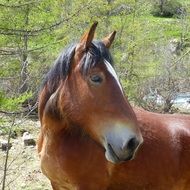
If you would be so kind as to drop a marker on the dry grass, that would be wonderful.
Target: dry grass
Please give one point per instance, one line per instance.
(23, 163)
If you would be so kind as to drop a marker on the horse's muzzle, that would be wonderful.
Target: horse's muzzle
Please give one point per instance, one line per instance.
(121, 145)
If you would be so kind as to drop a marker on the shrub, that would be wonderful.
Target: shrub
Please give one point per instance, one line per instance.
(168, 8)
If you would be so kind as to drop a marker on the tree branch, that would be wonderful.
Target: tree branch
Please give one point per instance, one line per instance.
(14, 32)
(179, 59)
(8, 52)
(21, 32)
(7, 155)
(19, 5)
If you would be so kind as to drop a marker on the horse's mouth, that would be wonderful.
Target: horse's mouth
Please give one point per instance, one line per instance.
(114, 158)
(111, 151)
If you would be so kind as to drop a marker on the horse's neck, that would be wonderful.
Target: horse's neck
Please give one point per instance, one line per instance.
(71, 152)
(72, 140)
(53, 126)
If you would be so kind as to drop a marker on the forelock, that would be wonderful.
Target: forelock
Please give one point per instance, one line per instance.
(96, 54)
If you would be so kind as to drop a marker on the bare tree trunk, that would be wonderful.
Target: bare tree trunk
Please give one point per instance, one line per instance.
(24, 58)
(162, 6)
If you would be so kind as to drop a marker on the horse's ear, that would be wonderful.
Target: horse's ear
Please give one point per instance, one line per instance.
(88, 36)
(109, 39)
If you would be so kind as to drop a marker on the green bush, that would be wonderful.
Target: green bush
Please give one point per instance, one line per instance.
(13, 103)
(168, 8)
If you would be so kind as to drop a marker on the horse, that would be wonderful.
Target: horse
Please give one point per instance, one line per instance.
(91, 137)
(86, 122)
(163, 161)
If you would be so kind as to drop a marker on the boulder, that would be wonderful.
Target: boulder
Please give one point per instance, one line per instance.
(28, 139)
(4, 145)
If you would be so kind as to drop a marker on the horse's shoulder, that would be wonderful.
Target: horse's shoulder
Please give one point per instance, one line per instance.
(174, 128)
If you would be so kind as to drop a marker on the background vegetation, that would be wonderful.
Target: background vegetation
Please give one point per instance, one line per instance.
(151, 53)
(151, 50)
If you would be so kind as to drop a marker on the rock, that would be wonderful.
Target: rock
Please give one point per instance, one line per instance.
(175, 46)
(28, 140)
(4, 145)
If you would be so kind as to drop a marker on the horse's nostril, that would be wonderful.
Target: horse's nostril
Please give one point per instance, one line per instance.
(132, 144)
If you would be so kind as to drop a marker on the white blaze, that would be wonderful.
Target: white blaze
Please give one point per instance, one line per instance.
(113, 73)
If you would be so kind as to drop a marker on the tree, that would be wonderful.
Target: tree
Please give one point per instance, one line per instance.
(29, 32)
(168, 8)
(32, 34)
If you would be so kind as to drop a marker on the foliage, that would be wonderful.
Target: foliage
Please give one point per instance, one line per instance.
(32, 33)
(168, 8)
(13, 103)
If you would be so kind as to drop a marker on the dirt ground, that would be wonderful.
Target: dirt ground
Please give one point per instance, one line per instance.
(23, 163)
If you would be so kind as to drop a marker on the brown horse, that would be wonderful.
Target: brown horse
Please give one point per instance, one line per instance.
(85, 118)
(163, 161)
(89, 129)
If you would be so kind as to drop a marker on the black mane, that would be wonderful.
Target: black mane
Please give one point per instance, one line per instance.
(94, 55)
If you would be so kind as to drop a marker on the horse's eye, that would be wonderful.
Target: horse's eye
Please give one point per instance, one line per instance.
(96, 79)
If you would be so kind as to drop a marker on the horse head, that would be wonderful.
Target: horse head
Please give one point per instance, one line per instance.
(90, 97)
